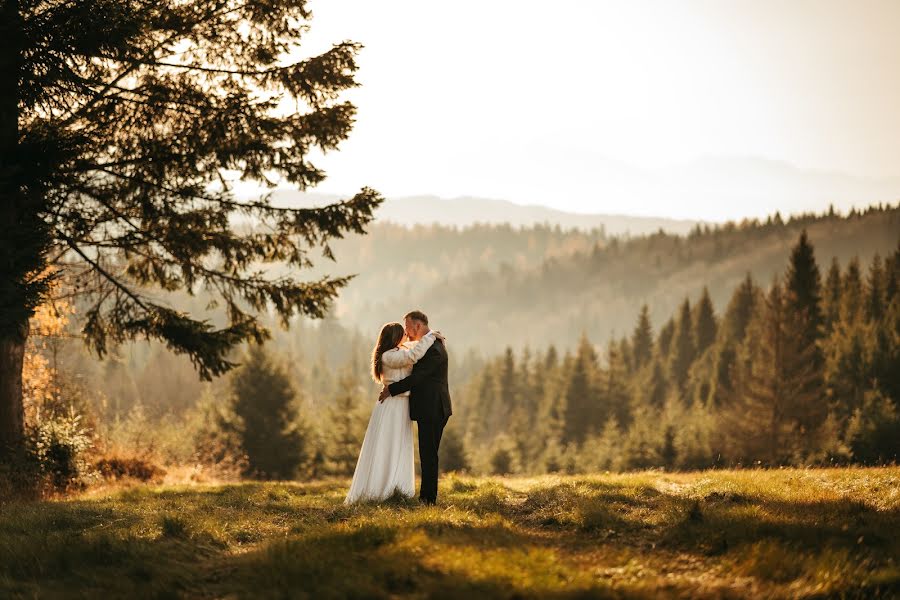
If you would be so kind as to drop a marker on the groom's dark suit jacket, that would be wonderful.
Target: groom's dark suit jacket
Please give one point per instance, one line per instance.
(429, 393)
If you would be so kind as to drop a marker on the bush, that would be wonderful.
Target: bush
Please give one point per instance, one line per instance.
(873, 433)
(453, 452)
(117, 467)
(56, 448)
(503, 457)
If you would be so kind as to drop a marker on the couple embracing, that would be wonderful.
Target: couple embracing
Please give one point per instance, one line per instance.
(410, 361)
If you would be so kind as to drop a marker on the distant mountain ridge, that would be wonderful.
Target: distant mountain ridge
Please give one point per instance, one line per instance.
(466, 211)
(719, 188)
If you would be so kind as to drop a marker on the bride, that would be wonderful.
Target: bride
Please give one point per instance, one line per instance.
(385, 462)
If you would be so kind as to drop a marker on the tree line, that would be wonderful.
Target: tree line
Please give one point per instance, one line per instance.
(803, 370)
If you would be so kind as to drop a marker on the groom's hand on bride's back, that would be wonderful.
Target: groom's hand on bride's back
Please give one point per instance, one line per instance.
(385, 393)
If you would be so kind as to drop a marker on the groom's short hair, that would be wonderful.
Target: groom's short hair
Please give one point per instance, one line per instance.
(416, 315)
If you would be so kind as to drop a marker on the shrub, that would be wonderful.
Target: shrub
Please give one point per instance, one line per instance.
(873, 433)
(120, 467)
(56, 446)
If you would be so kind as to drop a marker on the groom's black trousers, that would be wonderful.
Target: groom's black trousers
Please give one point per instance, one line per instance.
(430, 431)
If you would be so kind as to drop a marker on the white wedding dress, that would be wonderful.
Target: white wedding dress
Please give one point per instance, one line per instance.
(386, 460)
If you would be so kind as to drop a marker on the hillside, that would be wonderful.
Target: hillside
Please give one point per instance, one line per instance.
(486, 298)
(489, 286)
(715, 534)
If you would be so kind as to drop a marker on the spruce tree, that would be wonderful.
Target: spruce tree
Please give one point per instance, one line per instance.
(781, 403)
(803, 311)
(683, 350)
(453, 455)
(655, 387)
(852, 292)
(875, 293)
(642, 339)
(348, 419)
(508, 382)
(757, 423)
(892, 276)
(268, 424)
(831, 297)
(484, 412)
(624, 348)
(803, 288)
(581, 406)
(614, 393)
(664, 342)
(120, 127)
(705, 325)
(740, 310)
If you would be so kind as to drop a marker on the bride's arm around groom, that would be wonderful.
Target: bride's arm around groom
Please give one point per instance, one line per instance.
(400, 357)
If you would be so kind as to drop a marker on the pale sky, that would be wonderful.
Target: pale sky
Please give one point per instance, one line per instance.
(575, 104)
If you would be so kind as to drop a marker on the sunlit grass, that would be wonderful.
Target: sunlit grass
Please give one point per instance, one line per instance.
(785, 533)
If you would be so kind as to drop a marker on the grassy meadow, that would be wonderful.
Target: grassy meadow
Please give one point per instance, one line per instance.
(792, 533)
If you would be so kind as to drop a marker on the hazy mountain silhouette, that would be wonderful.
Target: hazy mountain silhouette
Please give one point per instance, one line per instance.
(714, 186)
(465, 211)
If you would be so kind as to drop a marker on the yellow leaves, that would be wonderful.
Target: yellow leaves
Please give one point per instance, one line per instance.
(37, 384)
(51, 317)
(38, 375)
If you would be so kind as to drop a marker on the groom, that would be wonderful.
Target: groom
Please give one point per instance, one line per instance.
(429, 401)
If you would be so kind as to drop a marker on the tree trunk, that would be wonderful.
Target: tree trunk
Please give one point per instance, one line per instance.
(12, 352)
(13, 322)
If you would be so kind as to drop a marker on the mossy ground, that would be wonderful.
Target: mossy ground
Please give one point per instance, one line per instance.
(715, 534)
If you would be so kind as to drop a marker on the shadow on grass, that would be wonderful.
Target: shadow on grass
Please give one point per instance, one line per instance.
(429, 559)
(484, 540)
(76, 549)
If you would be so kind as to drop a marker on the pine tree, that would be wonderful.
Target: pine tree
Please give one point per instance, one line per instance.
(509, 392)
(655, 387)
(740, 310)
(757, 426)
(624, 348)
(114, 139)
(781, 403)
(643, 441)
(803, 288)
(873, 432)
(683, 350)
(503, 460)
(852, 294)
(642, 339)
(485, 413)
(268, 424)
(847, 366)
(581, 410)
(802, 303)
(705, 325)
(348, 419)
(607, 447)
(892, 276)
(875, 293)
(664, 342)
(738, 313)
(614, 393)
(453, 456)
(831, 298)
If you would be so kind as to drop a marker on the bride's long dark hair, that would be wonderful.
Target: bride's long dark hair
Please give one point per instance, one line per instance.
(388, 339)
